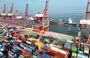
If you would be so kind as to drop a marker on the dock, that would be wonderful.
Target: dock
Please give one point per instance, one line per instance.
(58, 36)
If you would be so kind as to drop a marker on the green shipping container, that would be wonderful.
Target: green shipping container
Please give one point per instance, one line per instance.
(47, 40)
(74, 49)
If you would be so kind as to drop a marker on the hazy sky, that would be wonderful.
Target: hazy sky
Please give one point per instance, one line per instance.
(55, 6)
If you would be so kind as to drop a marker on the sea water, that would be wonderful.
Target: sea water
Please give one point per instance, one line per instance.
(67, 29)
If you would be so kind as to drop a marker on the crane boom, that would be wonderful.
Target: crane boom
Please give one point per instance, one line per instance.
(87, 15)
(11, 9)
(26, 12)
(4, 8)
(45, 13)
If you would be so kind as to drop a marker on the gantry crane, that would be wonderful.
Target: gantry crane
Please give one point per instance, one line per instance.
(4, 9)
(41, 19)
(26, 12)
(26, 16)
(45, 16)
(10, 15)
(85, 22)
(84, 25)
(3, 13)
(21, 20)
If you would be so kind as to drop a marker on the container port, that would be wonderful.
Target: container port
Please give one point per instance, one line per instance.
(22, 36)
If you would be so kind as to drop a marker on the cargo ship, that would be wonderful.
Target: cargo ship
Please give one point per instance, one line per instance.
(64, 22)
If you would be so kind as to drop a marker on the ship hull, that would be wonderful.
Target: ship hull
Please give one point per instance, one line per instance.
(63, 23)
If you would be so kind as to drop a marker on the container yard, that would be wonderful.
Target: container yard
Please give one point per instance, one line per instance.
(22, 36)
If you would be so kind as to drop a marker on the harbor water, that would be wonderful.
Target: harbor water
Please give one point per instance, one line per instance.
(68, 29)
